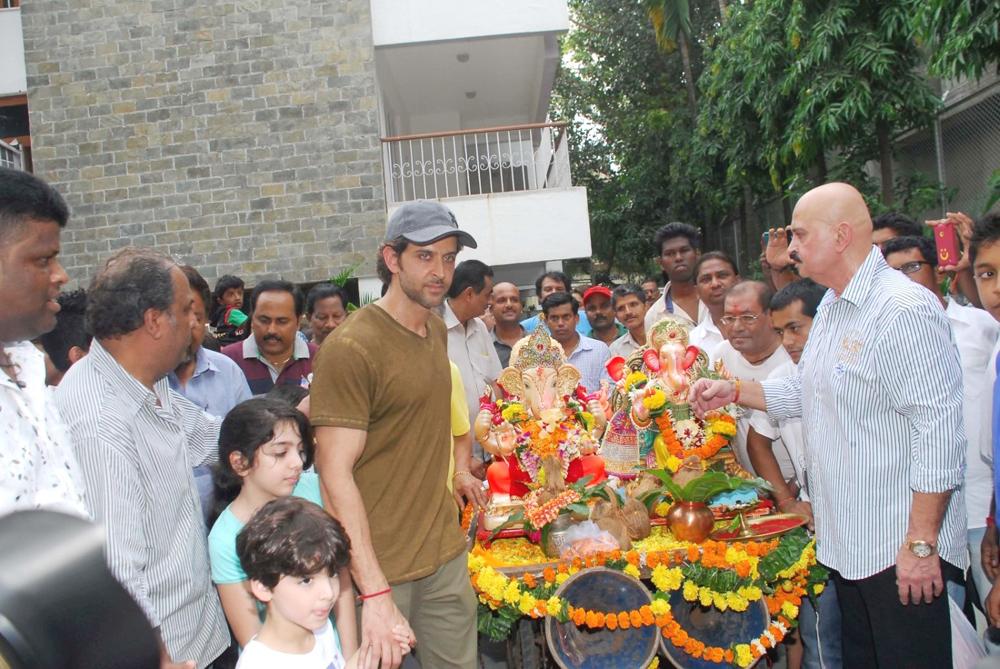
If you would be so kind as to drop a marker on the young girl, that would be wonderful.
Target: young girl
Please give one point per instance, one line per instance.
(264, 445)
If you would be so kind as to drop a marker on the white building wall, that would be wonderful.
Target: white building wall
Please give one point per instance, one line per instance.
(411, 21)
(13, 79)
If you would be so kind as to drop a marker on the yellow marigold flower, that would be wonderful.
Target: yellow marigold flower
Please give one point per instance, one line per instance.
(673, 464)
(723, 427)
(476, 562)
(743, 656)
(736, 603)
(655, 664)
(720, 601)
(561, 578)
(690, 591)
(553, 605)
(513, 412)
(631, 570)
(789, 610)
(512, 595)
(819, 588)
(704, 596)
(660, 607)
(661, 509)
(666, 579)
(634, 379)
(655, 401)
(526, 604)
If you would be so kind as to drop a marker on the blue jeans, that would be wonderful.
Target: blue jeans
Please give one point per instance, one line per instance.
(820, 630)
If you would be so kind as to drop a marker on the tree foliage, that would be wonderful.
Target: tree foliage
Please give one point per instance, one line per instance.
(962, 36)
(790, 93)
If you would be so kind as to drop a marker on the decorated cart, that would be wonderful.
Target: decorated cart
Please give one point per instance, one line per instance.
(622, 522)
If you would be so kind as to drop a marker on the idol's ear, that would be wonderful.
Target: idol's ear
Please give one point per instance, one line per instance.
(567, 379)
(510, 380)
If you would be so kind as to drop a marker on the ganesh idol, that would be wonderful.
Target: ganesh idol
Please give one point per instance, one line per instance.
(652, 424)
(544, 415)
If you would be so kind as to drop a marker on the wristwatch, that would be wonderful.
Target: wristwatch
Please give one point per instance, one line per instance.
(921, 549)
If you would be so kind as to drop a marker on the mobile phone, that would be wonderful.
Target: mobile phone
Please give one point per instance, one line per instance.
(946, 242)
(766, 237)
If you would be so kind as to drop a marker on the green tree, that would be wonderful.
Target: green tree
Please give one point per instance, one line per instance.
(672, 26)
(962, 36)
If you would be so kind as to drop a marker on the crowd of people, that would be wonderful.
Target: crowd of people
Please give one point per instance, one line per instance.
(277, 474)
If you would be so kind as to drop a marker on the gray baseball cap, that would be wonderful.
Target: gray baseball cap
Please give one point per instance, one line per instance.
(425, 222)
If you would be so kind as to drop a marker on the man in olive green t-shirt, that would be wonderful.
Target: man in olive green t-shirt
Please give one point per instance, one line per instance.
(380, 401)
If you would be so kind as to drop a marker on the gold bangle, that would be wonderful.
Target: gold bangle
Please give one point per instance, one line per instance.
(736, 390)
(461, 471)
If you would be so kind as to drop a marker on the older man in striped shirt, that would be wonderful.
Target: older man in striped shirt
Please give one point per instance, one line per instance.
(879, 390)
(137, 441)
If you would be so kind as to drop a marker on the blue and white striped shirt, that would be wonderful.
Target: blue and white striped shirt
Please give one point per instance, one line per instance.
(879, 390)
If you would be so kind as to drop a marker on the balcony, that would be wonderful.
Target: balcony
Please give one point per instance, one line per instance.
(509, 186)
(475, 162)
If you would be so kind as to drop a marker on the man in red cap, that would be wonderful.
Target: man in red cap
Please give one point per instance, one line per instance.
(601, 314)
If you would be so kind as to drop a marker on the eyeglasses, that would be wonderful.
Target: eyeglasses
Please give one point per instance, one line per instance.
(746, 319)
(911, 267)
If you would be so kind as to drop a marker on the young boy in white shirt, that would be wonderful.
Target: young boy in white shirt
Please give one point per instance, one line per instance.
(292, 552)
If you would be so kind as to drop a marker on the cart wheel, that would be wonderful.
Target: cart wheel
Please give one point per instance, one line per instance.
(524, 646)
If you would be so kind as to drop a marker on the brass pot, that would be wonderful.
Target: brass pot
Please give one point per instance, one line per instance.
(690, 521)
(555, 540)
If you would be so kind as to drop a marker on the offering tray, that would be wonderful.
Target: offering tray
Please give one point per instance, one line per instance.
(762, 527)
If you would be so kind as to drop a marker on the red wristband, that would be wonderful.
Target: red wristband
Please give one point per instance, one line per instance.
(991, 521)
(373, 595)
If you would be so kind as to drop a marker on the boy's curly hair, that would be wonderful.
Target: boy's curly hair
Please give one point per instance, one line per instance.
(291, 536)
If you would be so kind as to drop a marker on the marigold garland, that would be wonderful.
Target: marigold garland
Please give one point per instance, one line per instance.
(719, 427)
(533, 595)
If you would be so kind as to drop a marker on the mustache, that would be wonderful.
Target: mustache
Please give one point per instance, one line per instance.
(272, 338)
(794, 255)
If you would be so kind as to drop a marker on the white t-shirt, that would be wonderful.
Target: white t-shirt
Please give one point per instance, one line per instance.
(324, 655)
(976, 334)
(786, 436)
(707, 337)
(739, 368)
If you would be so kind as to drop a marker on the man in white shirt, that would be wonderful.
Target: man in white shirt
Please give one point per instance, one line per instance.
(976, 335)
(752, 352)
(630, 309)
(470, 344)
(715, 273)
(39, 469)
(677, 248)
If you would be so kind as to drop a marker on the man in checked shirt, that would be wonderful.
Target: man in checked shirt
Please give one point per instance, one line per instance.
(879, 390)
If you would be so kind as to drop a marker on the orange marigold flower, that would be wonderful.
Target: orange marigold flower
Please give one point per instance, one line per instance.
(591, 620)
(679, 638)
(549, 575)
(647, 614)
(728, 656)
(611, 622)
(623, 622)
(661, 621)
(599, 618)
(652, 559)
(635, 618)
(743, 569)
(716, 654)
(579, 617)
(632, 558)
(529, 580)
(692, 553)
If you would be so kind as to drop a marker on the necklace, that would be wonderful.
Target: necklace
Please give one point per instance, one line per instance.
(11, 368)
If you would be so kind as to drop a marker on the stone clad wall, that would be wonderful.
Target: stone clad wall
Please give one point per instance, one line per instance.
(240, 137)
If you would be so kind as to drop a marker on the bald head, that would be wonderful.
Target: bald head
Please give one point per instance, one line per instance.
(835, 203)
(506, 303)
(832, 234)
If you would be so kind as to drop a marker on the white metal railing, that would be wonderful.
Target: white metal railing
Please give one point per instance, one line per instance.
(473, 162)
(10, 156)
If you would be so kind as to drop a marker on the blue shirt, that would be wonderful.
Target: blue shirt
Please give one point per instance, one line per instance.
(996, 434)
(217, 386)
(583, 327)
(590, 356)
